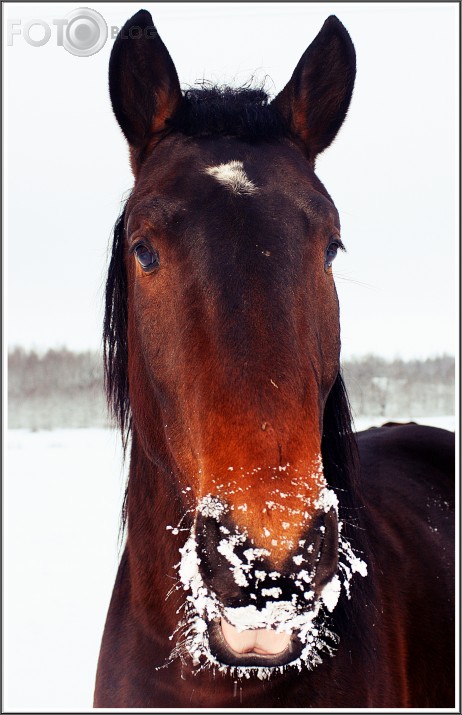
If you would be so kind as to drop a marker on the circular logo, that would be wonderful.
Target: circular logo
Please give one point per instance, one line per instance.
(85, 33)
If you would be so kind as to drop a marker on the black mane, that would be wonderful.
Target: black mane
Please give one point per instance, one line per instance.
(244, 113)
(115, 339)
(341, 467)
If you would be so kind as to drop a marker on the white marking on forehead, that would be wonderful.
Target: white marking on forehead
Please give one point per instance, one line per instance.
(233, 176)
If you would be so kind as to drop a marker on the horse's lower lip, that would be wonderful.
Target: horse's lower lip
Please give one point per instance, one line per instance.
(259, 641)
(255, 656)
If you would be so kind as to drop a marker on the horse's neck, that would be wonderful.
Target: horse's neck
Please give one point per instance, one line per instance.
(155, 508)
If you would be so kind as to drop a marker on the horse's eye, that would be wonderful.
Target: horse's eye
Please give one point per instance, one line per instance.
(147, 257)
(331, 252)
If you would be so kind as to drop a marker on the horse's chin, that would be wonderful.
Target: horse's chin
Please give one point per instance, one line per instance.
(252, 648)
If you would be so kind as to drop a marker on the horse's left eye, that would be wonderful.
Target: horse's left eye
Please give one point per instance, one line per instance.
(147, 257)
(331, 252)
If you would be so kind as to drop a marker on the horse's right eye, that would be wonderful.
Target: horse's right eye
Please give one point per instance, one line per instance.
(147, 257)
(331, 252)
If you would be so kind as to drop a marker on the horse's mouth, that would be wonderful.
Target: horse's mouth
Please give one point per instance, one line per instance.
(252, 648)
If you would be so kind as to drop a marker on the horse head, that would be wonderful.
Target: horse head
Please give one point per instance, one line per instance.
(229, 346)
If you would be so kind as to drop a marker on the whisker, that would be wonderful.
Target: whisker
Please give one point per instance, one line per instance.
(347, 279)
(176, 587)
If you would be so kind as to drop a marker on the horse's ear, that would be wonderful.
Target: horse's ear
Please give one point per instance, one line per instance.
(316, 99)
(143, 82)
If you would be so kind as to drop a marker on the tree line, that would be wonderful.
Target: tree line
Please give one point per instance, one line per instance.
(57, 389)
(398, 388)
(61, 388)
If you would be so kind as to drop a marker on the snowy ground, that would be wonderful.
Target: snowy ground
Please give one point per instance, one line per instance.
(62, 498)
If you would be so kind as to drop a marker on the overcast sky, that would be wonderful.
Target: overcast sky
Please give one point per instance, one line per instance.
(392, 170)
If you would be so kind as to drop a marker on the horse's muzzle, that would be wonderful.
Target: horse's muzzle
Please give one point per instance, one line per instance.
(262, 608)
(252, 648)
(241, 575)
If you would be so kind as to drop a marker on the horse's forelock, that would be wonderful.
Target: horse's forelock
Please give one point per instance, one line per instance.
(244, 112)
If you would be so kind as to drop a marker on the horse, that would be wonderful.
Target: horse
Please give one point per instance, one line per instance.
(272, 558)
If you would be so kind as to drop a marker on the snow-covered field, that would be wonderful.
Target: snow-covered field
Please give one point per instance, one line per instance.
(62, 498)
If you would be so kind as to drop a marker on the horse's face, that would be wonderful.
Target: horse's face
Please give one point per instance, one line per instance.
(237, 323)
(234, 334)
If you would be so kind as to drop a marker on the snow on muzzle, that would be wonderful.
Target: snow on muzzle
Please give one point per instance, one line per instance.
(258, 601)
(244, 615)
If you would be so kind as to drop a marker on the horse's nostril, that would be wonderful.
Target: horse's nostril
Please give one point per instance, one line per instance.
(241, 575)
(218, 573)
